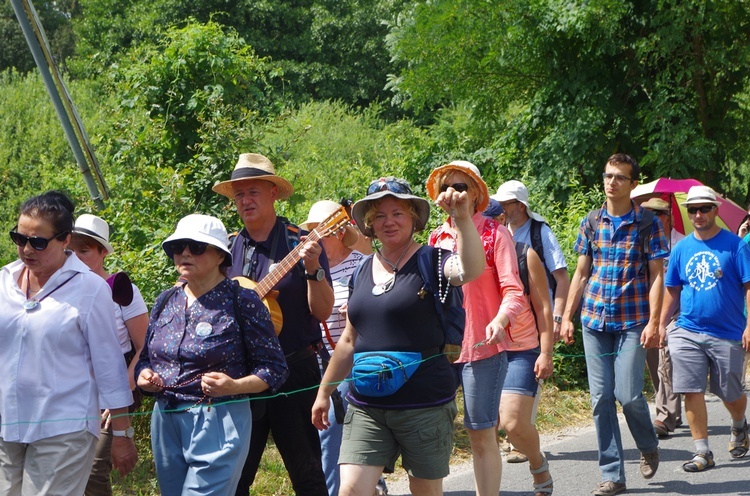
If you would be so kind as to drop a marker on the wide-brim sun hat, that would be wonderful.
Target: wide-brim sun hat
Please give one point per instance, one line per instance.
(204, 229)
(323, 209)
(390, 186)
(96, 228)
(656, 204)
(700, 195)
(471, 170)
(516, 190)
(254, 166)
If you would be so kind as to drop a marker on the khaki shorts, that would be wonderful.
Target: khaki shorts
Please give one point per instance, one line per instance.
(422, 436)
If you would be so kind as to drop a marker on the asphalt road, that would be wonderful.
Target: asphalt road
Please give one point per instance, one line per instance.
(572, 458)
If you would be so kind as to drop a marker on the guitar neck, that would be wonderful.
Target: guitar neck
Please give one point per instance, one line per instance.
(281, 268)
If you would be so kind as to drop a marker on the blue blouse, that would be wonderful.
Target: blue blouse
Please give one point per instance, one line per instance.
(184, 342)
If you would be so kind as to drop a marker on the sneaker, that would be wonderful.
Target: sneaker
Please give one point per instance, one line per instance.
(649, 463)
(608, 488)
(381, 489)
(661, 429)
(699, 462)
(739, 442)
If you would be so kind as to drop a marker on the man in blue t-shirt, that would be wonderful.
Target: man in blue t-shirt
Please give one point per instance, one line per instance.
(709, 277)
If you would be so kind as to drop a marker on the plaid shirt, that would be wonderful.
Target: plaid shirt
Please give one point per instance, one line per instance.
(616, 295)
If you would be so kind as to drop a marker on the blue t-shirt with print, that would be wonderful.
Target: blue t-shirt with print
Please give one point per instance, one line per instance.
(712, 274)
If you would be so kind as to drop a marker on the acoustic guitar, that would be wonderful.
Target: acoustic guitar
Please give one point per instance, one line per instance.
(330, 225)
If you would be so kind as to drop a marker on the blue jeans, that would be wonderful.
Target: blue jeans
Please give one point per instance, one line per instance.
(198, 451)
(482, 381)
(330, 444)
(616, 363)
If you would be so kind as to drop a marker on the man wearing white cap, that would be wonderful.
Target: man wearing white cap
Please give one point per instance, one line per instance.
(709, 277)
(305, 298)
(531, 228)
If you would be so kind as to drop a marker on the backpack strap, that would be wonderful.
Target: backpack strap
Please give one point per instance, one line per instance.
(538, 246)
(156, 311)
(592, 220)
(523, 267)
(292, 240)
(428, 273)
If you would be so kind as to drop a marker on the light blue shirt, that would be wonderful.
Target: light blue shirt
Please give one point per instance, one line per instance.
(553, 255)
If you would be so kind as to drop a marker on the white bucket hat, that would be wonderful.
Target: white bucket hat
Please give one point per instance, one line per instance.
(94, 227)
(323, 209)
(700, 194)
(516, 190)
(204, 229)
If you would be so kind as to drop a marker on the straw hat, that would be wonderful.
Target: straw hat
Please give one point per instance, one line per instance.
(390, 186)
(96, 228)
(516, 190)
(656, 204)
(204, 229)
(254, 166)
(471, 170)
(320, 211)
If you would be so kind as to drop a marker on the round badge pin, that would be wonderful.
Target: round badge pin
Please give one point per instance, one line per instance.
(203, 329)
(30, 305)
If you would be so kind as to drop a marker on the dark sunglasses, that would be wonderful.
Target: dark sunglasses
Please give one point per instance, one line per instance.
(36, 242)
(390, 184)
(704, 209)
(178, 246)
(460, 187)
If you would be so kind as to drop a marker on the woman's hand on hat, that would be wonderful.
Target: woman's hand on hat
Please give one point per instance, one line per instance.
(458, 205)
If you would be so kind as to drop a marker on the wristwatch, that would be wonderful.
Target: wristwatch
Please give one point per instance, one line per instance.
(557, 318)
(318, 275)
(129, 433)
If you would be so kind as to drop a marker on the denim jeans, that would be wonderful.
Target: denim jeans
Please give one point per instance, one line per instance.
(330, 444)
(615, 363)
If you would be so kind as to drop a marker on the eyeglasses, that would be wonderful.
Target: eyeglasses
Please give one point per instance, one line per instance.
(178, 246)
(703, 209)
(36, 242)
(389, 184)
(460, 187)
(618, 178)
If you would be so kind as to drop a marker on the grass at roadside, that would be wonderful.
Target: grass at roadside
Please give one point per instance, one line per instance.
(557, 410)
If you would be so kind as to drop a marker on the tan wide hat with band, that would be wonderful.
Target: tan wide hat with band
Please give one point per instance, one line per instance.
(656, 204)
(254, 166)
(480, 187)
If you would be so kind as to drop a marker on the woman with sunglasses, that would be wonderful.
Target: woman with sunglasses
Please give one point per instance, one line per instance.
(208, 346)
(501, 353)
(59, 359)
(389, 311)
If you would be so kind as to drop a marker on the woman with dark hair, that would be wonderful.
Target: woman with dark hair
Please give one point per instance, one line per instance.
(59, 359)
(207, 340)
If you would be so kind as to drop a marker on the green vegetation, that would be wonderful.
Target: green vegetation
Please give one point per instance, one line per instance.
(340, 93)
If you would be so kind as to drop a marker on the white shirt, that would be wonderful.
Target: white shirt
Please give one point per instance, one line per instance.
(340, 274)
(123, 314)
(61, 362)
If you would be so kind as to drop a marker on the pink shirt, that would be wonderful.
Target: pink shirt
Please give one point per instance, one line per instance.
(498, 289)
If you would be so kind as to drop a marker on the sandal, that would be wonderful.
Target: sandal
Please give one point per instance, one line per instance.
(738, 449)
(545, 487)
(515, 456)
(700, 462)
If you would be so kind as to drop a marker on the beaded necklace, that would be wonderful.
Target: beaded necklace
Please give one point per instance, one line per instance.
(183, 384)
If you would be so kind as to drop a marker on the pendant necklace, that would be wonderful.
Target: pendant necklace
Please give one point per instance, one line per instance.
(386, 286)
(32, 303)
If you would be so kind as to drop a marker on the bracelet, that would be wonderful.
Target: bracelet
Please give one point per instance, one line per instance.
(550, 353)
(557, 319)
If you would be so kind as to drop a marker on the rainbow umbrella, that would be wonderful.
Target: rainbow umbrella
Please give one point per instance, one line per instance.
(675, 191)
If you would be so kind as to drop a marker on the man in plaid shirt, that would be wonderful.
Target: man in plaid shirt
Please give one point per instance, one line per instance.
(622, 290)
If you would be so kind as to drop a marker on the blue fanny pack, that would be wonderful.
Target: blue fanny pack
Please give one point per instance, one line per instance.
(382, 373)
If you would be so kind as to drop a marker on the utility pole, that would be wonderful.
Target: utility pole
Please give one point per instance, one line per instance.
(71, 122)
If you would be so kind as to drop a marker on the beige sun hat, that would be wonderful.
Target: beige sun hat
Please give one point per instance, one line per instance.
(390, 186)
(94, 227)
(700, 194)
(254, 166)
(516, 190)
(323, 209)
(656, 204)
(471, 170)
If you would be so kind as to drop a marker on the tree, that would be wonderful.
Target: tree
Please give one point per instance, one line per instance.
(557, 87)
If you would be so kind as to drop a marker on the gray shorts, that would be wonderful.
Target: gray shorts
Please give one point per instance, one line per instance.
(422, 436)
(696, 356)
